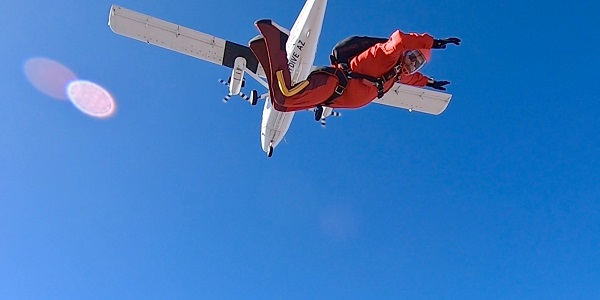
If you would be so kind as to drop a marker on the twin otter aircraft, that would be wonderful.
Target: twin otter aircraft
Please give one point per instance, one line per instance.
(301, 48)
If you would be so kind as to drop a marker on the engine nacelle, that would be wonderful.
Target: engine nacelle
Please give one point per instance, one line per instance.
(237, 76)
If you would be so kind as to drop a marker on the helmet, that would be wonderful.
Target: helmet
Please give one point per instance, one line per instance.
(414, 60)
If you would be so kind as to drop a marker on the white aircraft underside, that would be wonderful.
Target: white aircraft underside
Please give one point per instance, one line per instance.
(301, 49)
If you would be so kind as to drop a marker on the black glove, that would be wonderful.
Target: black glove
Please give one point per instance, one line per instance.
(441, 44)
(438, 85)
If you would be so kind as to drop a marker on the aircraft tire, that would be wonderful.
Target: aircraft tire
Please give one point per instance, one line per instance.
(253, 97)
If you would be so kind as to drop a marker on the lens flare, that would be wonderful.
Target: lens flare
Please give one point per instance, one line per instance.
(91, 99)
(49, 76)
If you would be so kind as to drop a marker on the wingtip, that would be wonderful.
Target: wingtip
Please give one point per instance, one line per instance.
(111, 13)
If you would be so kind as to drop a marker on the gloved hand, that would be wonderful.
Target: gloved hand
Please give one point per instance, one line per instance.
(441, 44)
(438, 85)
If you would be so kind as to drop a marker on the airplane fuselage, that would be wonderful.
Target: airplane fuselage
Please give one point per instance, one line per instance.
(301, 49)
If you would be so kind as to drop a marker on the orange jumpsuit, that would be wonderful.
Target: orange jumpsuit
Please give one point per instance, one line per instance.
(375, 62)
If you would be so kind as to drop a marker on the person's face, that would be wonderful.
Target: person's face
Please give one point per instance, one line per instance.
(413, 61)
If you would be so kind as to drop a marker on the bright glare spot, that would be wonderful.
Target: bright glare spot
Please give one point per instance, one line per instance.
(48, 76)
(91, 99)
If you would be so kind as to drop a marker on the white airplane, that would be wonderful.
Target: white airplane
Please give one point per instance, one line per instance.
(301, 49)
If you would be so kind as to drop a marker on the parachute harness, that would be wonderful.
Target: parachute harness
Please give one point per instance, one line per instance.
(344, 73)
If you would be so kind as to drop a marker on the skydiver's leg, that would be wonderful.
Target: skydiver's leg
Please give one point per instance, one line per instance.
(320, 87)
(259, 48)
(317, 88)
(275, 40)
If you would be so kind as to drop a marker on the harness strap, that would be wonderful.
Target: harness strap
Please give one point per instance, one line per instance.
(344, 73)
(379, 82)
(342, 82)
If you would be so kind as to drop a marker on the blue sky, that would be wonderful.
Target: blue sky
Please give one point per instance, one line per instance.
(172, 197)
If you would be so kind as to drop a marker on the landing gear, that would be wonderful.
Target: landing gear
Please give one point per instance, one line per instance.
(270, 150)
(318, 113)
(253, 97)
(322, 113)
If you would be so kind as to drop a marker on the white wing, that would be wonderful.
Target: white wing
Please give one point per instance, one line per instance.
(180, 39)
(417, 99)
(174, 37)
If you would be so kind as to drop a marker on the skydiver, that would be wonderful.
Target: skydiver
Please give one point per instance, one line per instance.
(368, 75)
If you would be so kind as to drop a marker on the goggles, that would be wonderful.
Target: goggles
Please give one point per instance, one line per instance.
(413, 61)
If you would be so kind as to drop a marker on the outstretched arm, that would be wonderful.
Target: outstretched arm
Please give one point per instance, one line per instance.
(400, 41)
(416, 79)
(421, 80)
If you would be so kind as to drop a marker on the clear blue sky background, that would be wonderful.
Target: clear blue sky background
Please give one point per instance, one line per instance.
(172, 198)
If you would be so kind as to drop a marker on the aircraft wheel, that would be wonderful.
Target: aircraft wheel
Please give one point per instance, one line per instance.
(319, 113)
(253, 97)
(270, 152)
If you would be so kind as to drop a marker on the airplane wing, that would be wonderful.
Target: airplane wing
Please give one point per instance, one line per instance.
(174, 37)
(180, 39)
(415, 98)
